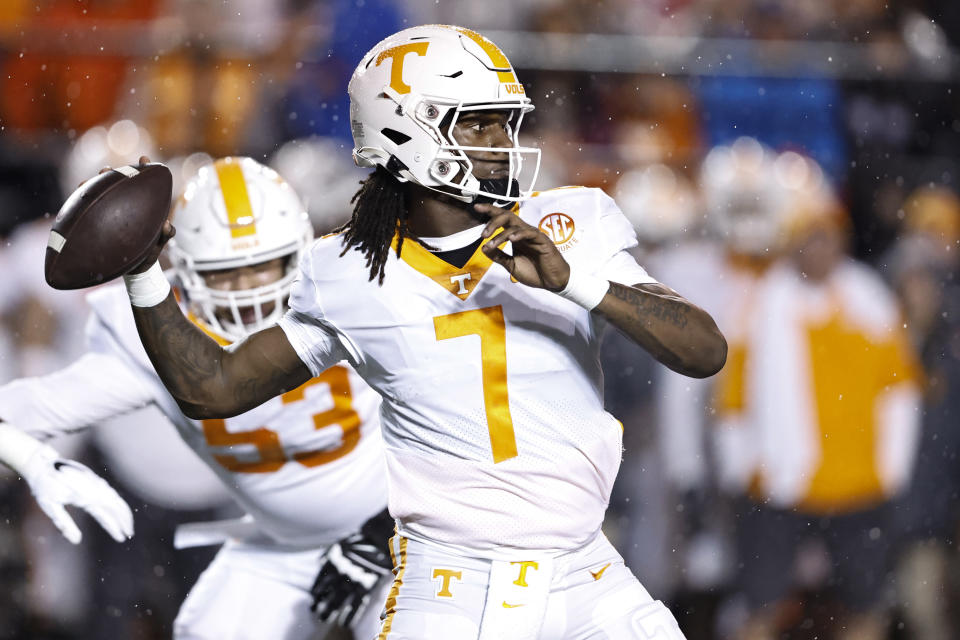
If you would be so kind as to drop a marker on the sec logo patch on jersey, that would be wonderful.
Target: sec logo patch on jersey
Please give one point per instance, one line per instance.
(560, 228)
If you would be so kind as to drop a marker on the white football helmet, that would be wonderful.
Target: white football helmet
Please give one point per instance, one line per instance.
(406, 96)
(233, 213)
(661, 203)
(743, 198)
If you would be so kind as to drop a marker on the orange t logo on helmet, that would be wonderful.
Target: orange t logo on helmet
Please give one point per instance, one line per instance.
(396, 55)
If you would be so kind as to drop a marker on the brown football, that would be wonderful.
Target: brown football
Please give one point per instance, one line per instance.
(108, 225)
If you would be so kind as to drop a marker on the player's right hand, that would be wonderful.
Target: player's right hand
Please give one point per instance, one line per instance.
(57, 482)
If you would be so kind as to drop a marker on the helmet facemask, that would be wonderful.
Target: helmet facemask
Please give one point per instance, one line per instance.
(453, 168)
(223, 310)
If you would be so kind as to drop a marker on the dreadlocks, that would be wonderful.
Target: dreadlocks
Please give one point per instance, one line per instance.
(379, 211)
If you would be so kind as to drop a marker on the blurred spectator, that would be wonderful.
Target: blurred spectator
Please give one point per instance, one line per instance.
(716, 262)
(922, 267)
(832, 401)
(661, 205)
(933, 214)
(111, 145)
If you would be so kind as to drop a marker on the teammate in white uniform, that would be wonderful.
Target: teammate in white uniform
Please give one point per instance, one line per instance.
(500, 455)
(306, 466)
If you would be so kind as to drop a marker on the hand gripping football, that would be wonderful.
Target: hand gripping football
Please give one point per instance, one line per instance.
(108, 225)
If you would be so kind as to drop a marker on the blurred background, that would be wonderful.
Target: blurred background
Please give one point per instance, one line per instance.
(792, 167)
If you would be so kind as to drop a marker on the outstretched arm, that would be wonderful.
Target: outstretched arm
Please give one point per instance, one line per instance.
(57, 482)
(676, 332)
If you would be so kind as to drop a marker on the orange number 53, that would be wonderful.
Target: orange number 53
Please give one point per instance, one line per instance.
(267, 441)
(489, 325)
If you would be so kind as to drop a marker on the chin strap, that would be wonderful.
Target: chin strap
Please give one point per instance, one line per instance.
(491, 186)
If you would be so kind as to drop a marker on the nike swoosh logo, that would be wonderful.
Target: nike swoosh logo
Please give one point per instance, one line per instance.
(58, 465)
(599, 573)
(507, 605)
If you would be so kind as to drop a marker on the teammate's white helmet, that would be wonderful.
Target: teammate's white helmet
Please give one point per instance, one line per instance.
(743, 197)
(407, 94)
(659, 202)
(233, 213)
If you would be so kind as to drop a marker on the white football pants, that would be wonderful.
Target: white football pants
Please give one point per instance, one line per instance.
(257, 592)
(588, 594)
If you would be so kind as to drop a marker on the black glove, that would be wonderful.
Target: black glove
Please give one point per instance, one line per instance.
(351, 569)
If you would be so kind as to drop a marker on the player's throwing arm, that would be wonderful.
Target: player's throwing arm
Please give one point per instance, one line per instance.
(207, 380)
(677, 333)
(117, 224)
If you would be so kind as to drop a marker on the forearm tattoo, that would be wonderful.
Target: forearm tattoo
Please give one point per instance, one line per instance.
(648, 306)
(183, 356)
(675, 332)
(205, 379)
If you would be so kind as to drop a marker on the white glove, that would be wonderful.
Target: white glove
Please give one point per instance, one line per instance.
(57, 482)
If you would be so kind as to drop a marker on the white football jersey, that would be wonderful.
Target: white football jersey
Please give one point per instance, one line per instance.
(493, 419)
(307, 465)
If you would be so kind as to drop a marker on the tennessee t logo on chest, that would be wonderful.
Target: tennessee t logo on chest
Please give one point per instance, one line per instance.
(459, 279)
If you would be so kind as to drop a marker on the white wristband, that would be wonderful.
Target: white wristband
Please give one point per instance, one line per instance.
(17, 448)
(149, 288)
(586, 289)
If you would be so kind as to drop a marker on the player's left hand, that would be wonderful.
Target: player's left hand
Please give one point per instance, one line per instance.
(350, 571)
(58, 482)
(536, 261)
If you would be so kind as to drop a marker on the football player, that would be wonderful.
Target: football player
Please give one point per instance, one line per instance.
(307, 466)
(479, 327)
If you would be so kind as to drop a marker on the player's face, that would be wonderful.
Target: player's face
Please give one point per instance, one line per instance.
(818, 251)
(486, 129)
(244, 278)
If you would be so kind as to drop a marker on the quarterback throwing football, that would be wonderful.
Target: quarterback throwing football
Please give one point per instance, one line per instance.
(479, 326)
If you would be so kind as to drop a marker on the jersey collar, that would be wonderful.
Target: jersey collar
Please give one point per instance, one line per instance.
(460, 282)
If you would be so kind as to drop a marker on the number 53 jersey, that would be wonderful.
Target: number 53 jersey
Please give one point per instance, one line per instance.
(307, 465)
(496, 437)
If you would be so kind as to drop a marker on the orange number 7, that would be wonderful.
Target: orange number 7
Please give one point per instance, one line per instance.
(267, 441)
(489, 325)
